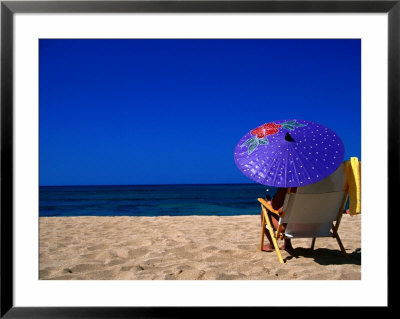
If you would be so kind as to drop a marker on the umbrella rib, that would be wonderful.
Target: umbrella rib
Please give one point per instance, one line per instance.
(277, 169)
(304, 168)
(319, 173)
(295, 173)
(286, 160)
(269, 167)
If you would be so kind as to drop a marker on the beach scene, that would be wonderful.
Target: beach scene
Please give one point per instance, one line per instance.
(200, 159)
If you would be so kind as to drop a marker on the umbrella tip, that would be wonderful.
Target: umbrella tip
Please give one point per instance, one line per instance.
(289, 137)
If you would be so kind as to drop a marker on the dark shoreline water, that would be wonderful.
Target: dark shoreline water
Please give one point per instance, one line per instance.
(152, 200)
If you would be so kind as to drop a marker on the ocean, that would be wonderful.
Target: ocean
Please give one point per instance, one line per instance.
(152, 200)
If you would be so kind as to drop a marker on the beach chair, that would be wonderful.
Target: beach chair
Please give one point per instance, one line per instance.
(316, 210)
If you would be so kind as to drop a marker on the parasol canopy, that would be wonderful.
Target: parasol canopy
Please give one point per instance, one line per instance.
(289, 153)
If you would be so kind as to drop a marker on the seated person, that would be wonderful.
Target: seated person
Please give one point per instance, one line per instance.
(277, 203)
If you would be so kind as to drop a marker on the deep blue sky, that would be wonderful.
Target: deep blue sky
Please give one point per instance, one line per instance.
(172, 111)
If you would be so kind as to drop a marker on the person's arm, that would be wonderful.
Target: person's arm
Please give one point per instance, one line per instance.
(277, 200)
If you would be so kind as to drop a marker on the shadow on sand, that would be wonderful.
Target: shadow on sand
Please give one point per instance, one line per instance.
(324, 256)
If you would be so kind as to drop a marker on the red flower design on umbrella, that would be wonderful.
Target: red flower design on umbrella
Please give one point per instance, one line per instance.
(265, 130)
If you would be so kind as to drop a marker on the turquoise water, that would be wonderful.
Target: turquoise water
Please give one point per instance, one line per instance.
(152, 200)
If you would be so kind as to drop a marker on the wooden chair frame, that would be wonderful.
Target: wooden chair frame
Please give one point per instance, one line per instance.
(279, 235)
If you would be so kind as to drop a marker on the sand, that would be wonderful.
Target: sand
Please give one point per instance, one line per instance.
(187, 248)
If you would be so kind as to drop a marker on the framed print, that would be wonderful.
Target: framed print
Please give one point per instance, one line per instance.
(139, 138)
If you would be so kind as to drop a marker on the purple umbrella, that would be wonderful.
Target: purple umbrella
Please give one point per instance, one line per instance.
(289, 153)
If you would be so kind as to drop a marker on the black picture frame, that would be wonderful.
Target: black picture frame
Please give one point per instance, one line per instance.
(9, 8)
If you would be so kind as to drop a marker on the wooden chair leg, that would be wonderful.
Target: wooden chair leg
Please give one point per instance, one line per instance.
(274, 242)
(313, 243)
(341, 245)
(262, 233)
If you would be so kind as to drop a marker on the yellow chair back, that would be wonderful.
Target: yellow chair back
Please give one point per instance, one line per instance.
(353, 172)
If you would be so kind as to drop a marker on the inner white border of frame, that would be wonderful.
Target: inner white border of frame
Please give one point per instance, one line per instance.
(371, 290)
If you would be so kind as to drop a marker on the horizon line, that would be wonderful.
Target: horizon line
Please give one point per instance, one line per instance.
(167, 184)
